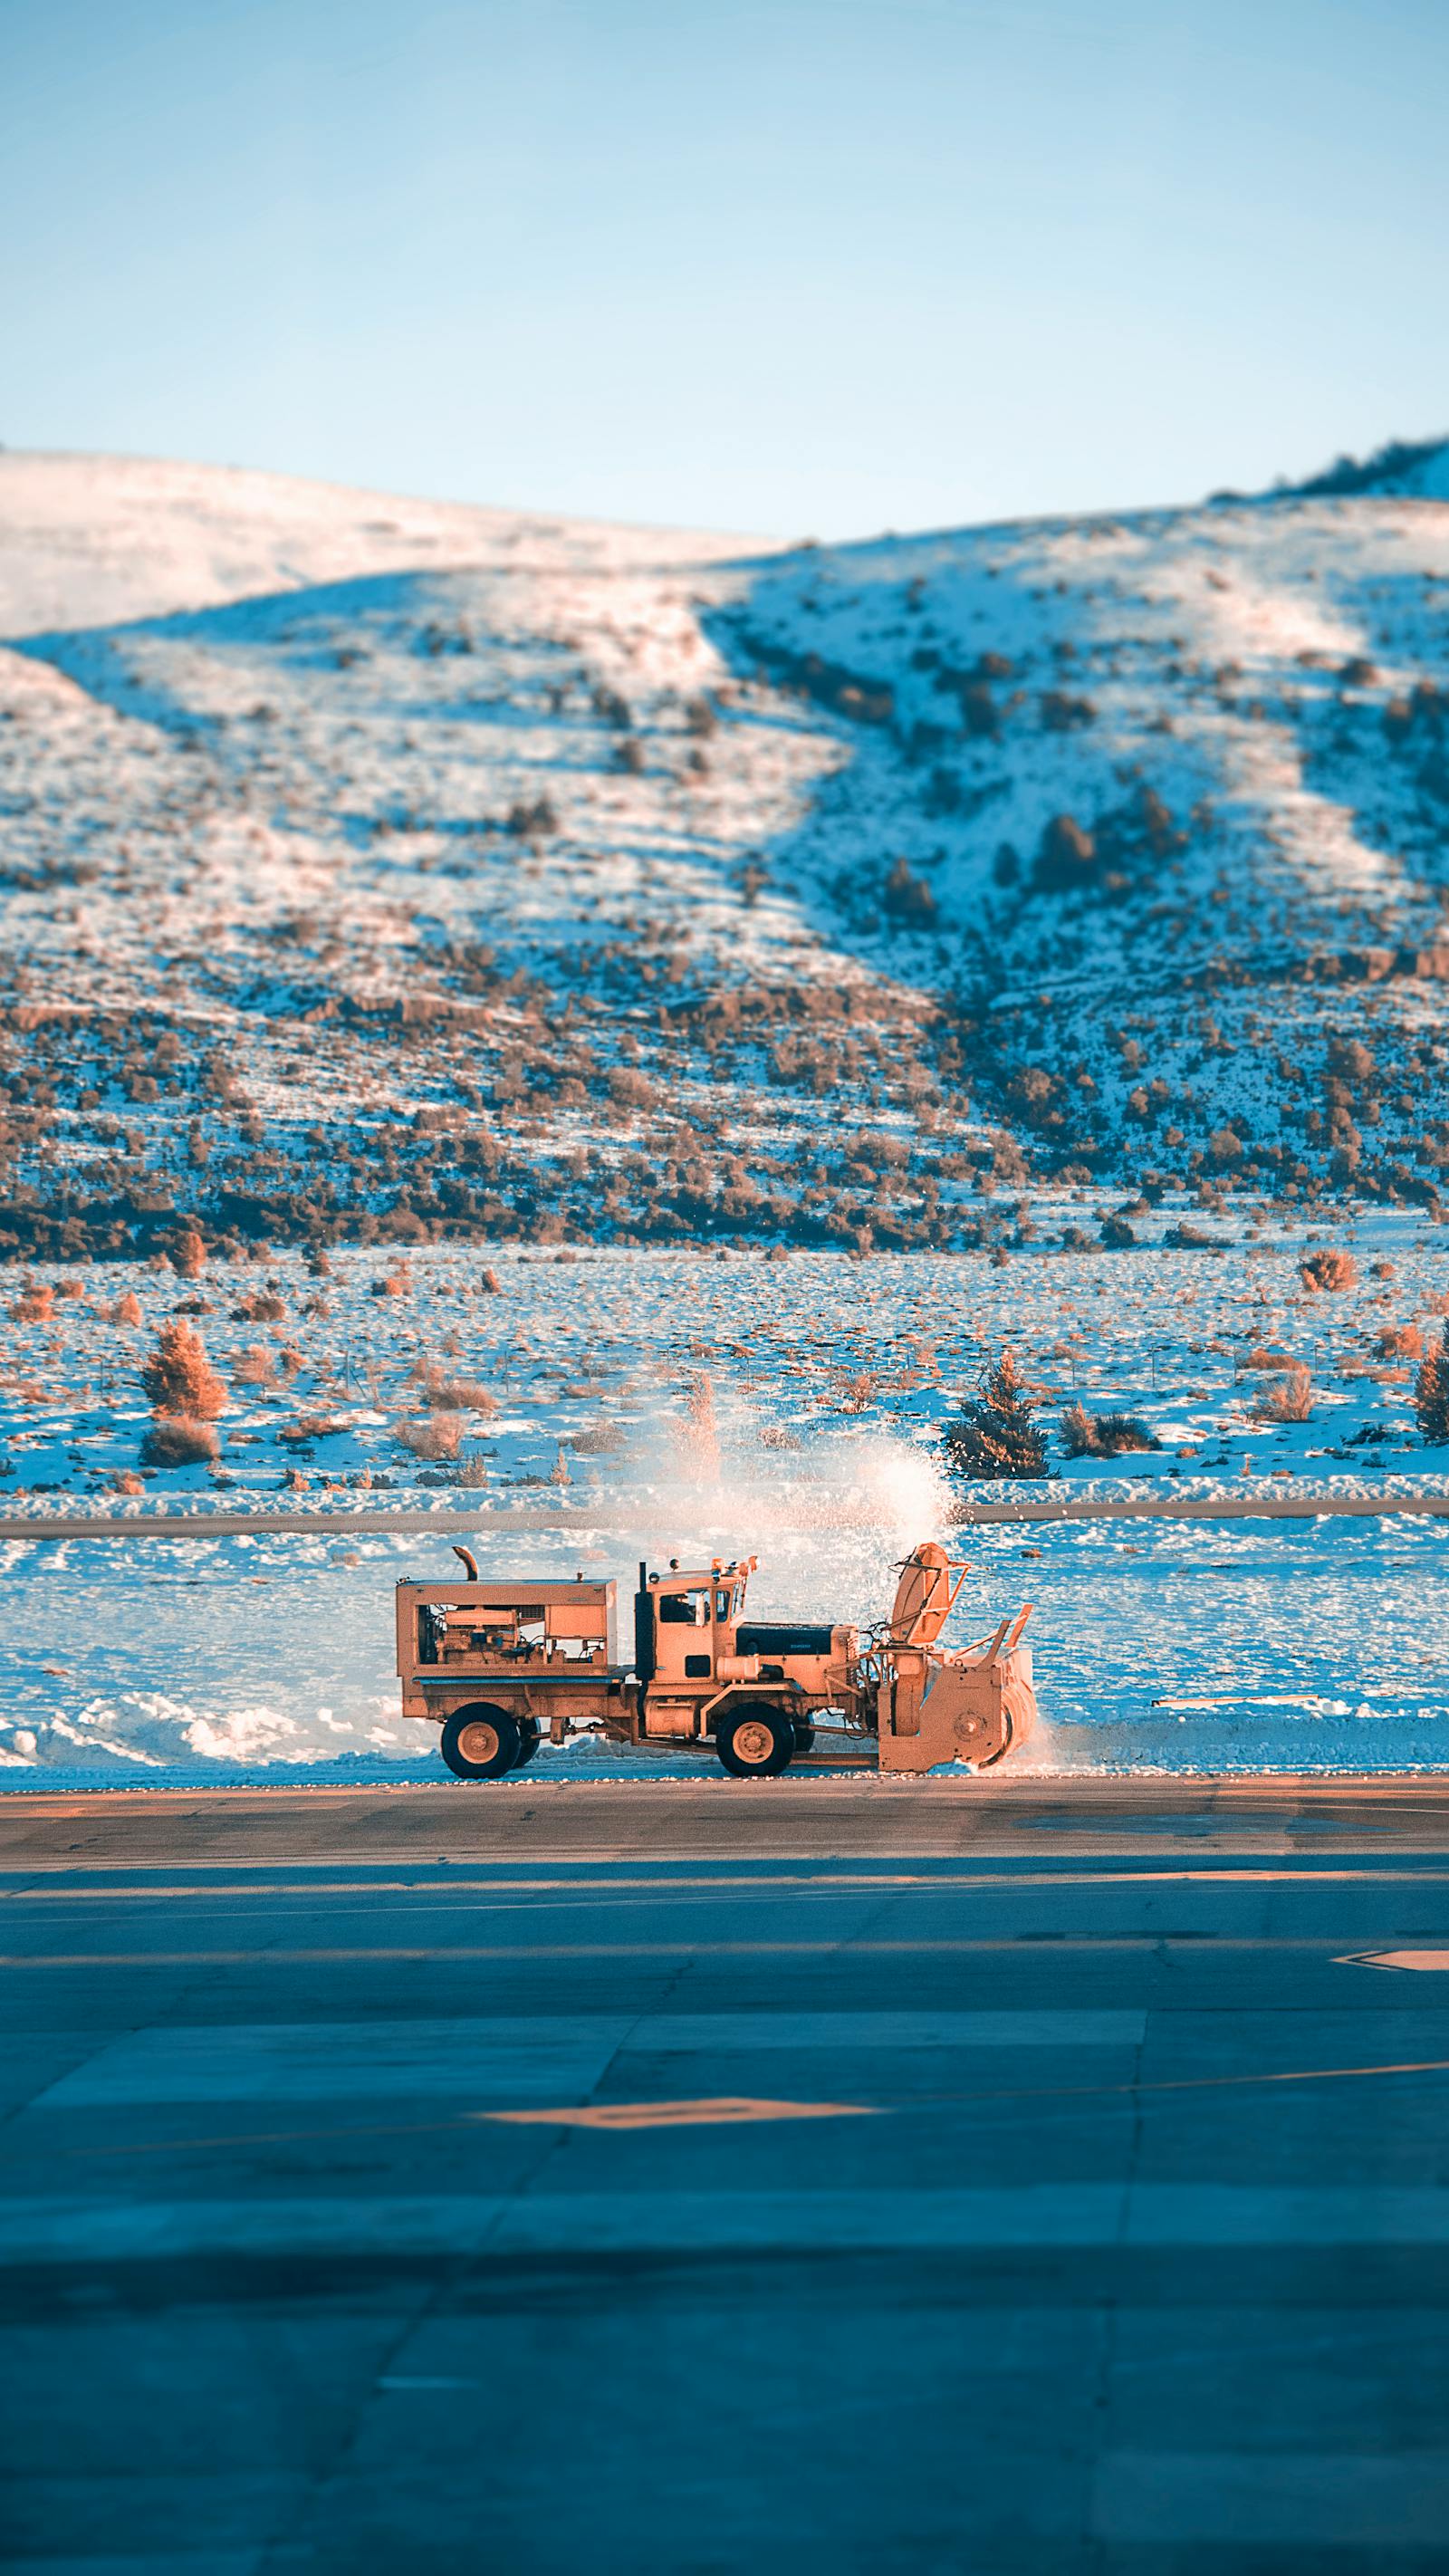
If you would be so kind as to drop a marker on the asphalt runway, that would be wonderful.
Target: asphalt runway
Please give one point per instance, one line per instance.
(715, 2177)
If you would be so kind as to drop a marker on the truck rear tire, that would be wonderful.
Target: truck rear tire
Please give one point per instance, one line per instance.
(755, 1743)
(481, 1742)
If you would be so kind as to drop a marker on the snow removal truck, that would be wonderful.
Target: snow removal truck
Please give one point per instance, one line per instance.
(499, 1665)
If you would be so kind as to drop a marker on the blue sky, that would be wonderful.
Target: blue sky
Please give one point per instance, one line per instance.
(795, 268)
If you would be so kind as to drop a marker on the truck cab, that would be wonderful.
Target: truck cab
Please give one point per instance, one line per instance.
(705, 1670)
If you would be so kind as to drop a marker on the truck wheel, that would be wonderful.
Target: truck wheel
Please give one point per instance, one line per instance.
(804, 1737)
(755, 1743)
(531, 1738)
(481, 1743)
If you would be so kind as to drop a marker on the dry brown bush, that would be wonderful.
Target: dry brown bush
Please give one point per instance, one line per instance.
(1290, 1399)
(122, 1481)
(188, 1254)
(599, 1440)
(631, 1090)
(1266, 1360)
(855, 1394)
(262, 1307)
(179, 1378)
(253, 1366)
(127, 1309)
(438, 1437)
(458, 1394)
(35, 1305)
(1104, 1435)
(1328, 1273)
(1401, 1342)
(179, 1440)
(398, 1283)
(488, 1281)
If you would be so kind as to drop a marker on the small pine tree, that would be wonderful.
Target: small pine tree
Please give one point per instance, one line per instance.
(1431, 1393)
(994, 1434)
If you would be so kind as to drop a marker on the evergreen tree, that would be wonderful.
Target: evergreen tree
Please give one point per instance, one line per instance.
(1431, 1394)
(994, 1434)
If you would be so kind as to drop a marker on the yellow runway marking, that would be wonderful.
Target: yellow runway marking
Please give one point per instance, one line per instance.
(681, 2115)
(1395, 1959)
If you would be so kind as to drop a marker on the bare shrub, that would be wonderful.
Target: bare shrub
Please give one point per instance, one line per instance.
(631, 1090)
(1265, 1361)
(122, 1481)
(188, 1254)
(1289, 1399)
(398, 1283)
(127, 1309)
(855, 1394)
(599, 1440)
(254, 1366)
(179, 1378)
(179, 1440)
(1104, 1435)
(1401, 1342)
(488, 1282)
(457, 1394)
(1328, 1274)
(35, 1305)
(438, 1437)
(262, 1307)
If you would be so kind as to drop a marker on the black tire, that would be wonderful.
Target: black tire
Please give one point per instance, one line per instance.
(467, 1749)
(531, 1737)
(804, 1737)
(755, 1743)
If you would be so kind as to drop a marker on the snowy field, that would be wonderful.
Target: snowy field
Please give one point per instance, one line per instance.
(672, 1403)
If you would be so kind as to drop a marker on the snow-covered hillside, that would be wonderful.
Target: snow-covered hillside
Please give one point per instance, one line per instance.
(371, 868)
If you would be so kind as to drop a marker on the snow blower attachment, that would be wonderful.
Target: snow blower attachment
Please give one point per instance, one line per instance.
(498, 1665)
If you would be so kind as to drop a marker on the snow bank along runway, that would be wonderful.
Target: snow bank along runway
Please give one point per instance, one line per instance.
(1168, 1645)
(1037, 2175)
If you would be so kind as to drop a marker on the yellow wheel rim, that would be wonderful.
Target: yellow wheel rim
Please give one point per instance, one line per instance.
(478, 1740)
(754, 1741)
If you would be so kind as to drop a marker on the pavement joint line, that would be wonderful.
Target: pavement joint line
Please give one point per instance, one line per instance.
(586, 2115)
(840, 1945)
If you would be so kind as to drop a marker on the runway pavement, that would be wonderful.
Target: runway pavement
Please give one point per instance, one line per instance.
(704, 2177)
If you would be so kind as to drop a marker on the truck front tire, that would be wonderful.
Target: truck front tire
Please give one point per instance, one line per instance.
(755, 1743)
(481, 1742)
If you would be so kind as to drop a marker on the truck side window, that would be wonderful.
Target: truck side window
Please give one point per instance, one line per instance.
(684, 1609)
(721, 1605)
